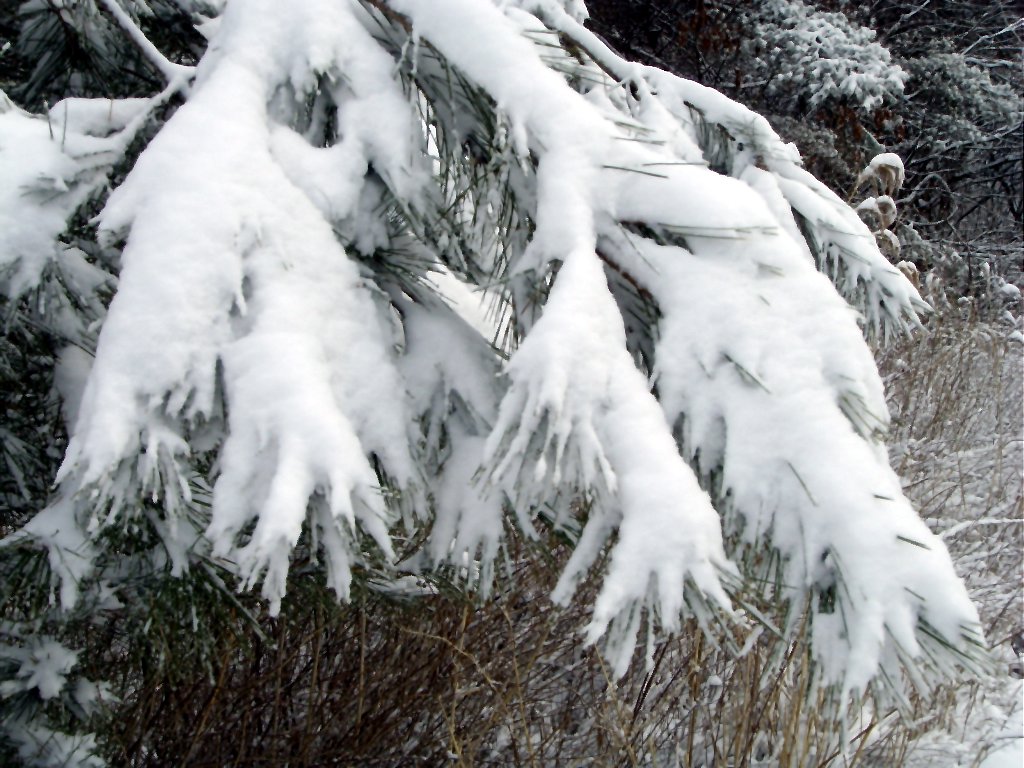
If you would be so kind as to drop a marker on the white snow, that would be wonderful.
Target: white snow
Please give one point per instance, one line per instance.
(45, 664)
(1010, 752)
(887, 168)
(49, 166)
(69, 378)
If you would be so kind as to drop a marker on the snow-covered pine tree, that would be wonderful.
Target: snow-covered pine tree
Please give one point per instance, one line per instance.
(289, 367)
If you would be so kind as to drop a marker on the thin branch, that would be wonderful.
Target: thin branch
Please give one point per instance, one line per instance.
(174, 74)
(391, 14)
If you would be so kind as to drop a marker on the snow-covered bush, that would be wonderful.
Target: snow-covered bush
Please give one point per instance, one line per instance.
(819, 58)
(673, 389)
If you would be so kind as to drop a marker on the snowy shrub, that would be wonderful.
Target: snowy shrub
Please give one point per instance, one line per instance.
(676, 387)
(967, 100)
(960, 134)
(820, 57)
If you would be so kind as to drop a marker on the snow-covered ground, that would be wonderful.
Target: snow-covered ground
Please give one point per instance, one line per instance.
(1011, 753)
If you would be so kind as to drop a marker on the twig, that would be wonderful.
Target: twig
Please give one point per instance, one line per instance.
(172, 72)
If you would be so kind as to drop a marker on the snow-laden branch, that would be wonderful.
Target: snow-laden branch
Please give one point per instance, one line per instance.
(258, 276)
(838, 240)
(776, 347)
(677, 365)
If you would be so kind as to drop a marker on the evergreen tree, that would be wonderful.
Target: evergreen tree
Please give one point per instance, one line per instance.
(301, 219)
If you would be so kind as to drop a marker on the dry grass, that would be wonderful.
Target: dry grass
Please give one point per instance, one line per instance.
(956, 400)
(440, 679)
(956, 397)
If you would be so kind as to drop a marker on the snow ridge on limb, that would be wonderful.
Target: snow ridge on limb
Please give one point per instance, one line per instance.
(234, 286)
(450, 370)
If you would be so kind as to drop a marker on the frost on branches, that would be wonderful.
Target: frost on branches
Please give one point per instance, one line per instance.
(676, 382)
(823, 54)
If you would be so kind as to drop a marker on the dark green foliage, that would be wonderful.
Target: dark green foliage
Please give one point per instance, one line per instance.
(77, 49)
